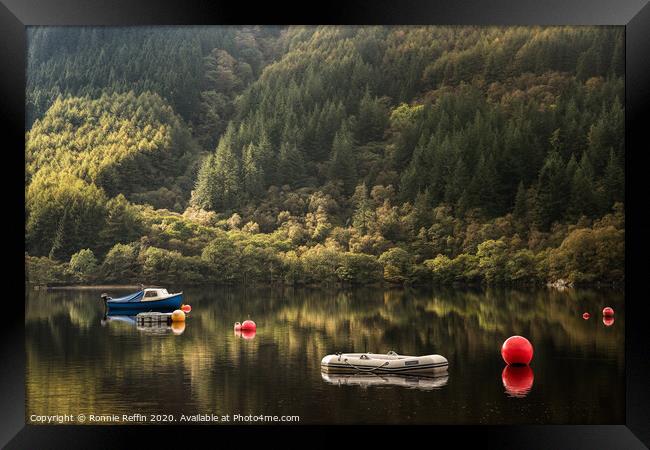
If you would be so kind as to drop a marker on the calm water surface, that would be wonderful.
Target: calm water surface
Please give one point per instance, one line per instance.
(79, 362)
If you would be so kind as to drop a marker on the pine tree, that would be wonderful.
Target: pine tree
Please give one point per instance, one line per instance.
(417, 175)
(571, 167)
(482, 189)
(268, 160)
(520, 210)
(372, 118)
(614, 181)
(342, 165)
(123, 224)
(363, 213)
(227, 173)
(458, 182)
(291, 165)
(204, 194)
(552, 191)
(253, 175)
(582, 200)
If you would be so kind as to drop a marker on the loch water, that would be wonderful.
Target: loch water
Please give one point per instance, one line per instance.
(78, 361)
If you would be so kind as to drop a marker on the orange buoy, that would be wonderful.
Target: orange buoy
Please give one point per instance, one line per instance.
(517, 350)
(608, 321)
(237, 326)
(586, 316)
(186, 308)
(608, 312)
(518, 380)
(178, 316)
(248, 325)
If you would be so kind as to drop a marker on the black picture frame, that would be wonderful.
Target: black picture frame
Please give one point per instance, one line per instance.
(15, 15)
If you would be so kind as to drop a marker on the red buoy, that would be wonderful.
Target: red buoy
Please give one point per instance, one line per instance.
(237, 326)
(517, 350)
(518, 380)
(248, 325)
(586, 316)
(608, 321)
(608, 312)
(248, 334)
(186, 308)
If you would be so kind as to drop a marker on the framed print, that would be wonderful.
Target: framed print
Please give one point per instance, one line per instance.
(423, 216)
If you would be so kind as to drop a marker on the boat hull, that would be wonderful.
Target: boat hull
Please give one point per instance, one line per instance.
(384, 364)
(166, 304)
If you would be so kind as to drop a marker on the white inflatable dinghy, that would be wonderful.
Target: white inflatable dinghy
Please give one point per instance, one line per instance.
(379, 363)
(366, 380)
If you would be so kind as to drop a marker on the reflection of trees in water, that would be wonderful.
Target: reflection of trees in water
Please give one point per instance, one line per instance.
(75, 364)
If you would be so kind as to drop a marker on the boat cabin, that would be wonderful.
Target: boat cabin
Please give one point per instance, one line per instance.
(151, 294)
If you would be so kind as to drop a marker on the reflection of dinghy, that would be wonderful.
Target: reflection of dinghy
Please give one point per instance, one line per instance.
(367, 380)
(378, 363)
(150, 299)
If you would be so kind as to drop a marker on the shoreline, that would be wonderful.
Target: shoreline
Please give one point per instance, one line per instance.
(87, 287)
(550, 286)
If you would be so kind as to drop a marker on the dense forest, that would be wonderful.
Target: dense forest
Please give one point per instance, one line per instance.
(306, 155)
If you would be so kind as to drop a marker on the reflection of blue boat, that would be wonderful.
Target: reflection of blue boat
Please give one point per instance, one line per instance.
(156, 328)
(151, 299)
(121, 318)
(118, 317)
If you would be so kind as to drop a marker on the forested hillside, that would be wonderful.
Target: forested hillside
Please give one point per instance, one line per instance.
(326, 154)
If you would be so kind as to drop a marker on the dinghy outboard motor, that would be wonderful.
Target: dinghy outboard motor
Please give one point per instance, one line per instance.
(104, 298)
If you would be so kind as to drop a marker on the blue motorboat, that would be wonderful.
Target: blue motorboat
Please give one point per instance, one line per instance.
(150, 299)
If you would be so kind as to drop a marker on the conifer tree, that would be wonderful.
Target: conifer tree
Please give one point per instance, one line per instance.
(342, 164)
(614, 181)
(219, 183)
(552, 191)
(363, 214)
(582, 200)
(253, 175)
(268, 160)
(520, 209)
(291, 165)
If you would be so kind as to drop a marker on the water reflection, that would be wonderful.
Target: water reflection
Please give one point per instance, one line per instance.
(246, 334)
(178, 328)
(518, 380)
(154, 328)
(76, 364)
(371, 380)
(608, 321)
(111, 318)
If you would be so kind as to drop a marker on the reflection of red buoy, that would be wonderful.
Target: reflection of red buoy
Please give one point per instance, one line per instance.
(608, 312)
(248, 325)
(517, 350)
(518, 380)
(237, 326)
(608, 321)
(248, 334)
(186, 308)
(586, 316)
